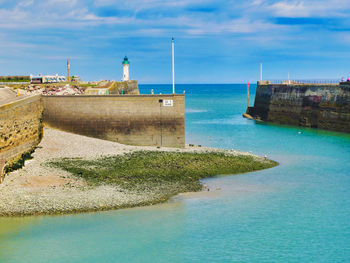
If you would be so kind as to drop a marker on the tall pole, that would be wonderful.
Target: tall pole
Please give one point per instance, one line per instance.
(261, 78)
(172, 45)
(247, 95)
(68, 70)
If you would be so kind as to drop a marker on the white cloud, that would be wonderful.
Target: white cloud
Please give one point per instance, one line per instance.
(145, 4)
(232, 17)
(256, 2)
(241, 25)
(287, 9)
(311, 8)
(25, 3)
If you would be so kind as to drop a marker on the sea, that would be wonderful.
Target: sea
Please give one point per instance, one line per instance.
(298, 211)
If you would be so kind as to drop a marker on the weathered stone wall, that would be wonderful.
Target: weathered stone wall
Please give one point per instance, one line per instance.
(20, 128)
(115, 88)
(309, 105)
(128, 119)
(128, 87)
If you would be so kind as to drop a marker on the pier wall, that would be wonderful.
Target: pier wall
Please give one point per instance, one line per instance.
(20, 129)
(129, 87)
(324, 106)
(128, 119)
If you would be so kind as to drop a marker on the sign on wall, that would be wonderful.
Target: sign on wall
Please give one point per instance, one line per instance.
(168, 103)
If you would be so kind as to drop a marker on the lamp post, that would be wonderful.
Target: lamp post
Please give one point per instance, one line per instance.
(68, 67)
(160, 121)
(247, 95)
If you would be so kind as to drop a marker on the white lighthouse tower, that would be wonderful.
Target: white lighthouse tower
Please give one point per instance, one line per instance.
(126, 64)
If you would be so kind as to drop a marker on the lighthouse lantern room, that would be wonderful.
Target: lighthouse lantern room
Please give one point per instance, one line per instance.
(126, 64)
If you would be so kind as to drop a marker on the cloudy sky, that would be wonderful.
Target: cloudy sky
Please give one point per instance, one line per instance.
(217, 41)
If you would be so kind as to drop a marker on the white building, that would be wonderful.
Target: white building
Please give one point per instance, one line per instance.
(126, 64)
(47, 79)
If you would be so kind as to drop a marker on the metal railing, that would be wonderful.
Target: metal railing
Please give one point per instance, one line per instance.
(302, 81)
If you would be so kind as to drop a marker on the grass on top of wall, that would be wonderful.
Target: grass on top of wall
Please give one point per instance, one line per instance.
(164, 173)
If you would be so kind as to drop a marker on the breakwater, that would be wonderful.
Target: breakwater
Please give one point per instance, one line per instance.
(20, 129)
(323, 106)
(129, 87)
(145, 120)
(152, 120)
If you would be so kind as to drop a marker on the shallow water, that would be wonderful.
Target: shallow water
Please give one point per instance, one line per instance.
(296, 212)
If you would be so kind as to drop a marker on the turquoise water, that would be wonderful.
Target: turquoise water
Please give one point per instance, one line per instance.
(296, 212)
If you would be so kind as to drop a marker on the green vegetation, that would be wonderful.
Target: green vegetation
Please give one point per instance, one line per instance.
(116, 87)
(84, 85)
(163, 173)
(25, 156)
(19, 163)
(14, 79)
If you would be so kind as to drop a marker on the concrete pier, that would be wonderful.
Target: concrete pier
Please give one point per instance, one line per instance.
(315, 105)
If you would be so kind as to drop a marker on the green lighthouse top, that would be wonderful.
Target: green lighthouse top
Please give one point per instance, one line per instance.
(126, 61)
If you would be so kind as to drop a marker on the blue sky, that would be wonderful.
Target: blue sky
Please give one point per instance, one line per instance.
(217, 41)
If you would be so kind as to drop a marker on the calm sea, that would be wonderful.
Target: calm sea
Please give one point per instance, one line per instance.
(296, 212)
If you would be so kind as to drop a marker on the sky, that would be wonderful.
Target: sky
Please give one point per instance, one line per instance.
(216, 41)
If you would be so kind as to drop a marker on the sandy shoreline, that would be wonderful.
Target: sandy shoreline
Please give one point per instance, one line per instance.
(39, 189)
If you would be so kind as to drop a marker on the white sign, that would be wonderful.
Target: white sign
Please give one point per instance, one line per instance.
(168, 103)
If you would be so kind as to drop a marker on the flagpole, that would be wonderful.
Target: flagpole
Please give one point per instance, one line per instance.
(261, 77)
(172, 45)
(68, 67)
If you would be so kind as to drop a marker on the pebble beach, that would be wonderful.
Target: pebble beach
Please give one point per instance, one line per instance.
(39, 189)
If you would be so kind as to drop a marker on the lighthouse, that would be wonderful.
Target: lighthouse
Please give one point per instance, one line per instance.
(126, 64)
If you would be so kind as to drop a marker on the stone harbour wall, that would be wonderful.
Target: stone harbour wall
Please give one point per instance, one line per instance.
(309, 105)
(115, 88)
(151, 120)
(20, 129)
(128, 87)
